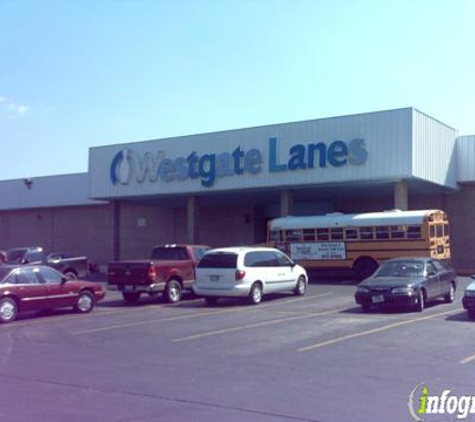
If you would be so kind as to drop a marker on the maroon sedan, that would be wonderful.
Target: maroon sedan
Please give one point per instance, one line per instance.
(37, 288)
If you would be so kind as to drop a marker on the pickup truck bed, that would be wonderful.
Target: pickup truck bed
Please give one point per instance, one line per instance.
(160, 274)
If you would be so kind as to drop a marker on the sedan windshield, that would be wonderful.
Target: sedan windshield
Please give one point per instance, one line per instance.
(401, 269)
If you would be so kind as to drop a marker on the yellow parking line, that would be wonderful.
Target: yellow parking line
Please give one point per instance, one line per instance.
(255, 325)
(467, 360)
(373, 331)
(198, 314)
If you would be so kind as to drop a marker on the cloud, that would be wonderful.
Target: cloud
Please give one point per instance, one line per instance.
(12, 107)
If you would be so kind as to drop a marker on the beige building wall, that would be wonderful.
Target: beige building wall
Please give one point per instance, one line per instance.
(82, 230)
(89, 230)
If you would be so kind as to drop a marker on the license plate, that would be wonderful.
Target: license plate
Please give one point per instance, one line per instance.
(128, 288)
(214, 278)
(377, 299)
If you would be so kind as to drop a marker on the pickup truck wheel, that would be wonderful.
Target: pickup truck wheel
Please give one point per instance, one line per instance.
(85, 303)
(70, 275)
(172, 291)
(131, 297)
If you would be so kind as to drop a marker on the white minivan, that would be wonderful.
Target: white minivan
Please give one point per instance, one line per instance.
(247, 272)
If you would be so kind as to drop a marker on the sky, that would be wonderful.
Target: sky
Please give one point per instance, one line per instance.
(84, 73)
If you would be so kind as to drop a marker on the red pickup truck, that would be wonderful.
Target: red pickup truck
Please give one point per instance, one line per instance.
(170, 269)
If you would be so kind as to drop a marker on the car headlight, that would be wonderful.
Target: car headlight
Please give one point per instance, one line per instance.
(399, 290)
(470, 293)
(362, 289)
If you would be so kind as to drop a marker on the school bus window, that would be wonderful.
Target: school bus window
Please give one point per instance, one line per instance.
(322, 234)
(351, 234)
(309, 234)
(337, 233)
(439, 229)
(382, 232)
(397, 232)
(366, 233)
(293, 235)
(275, 236)
(431, 230)
(414, 232)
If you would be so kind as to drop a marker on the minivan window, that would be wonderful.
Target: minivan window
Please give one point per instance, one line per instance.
(218, 260)
(261, 259)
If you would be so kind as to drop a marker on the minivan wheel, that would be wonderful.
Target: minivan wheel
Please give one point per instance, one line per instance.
(172, 292)
(301, 287)
(450, 296)
(8, 310)
(255, 294)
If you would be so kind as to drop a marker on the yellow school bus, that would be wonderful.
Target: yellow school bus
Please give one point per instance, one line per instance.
(360, 242)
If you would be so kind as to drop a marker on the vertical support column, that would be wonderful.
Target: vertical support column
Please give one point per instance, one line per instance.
(286, 202)
(192, 219)
(401, 195)
(116, 230)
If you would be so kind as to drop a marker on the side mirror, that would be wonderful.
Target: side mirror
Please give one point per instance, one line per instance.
(432, 273)
(63, 280)
(472, 276)
(292, 263)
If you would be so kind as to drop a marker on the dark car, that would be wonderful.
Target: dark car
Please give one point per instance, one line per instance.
(37, 288)
(408, 282)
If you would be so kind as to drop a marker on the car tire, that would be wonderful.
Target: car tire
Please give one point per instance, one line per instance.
(85, 303)
(471, 314)
(211, 300)
(421, 301)
(131, 297)
(8, 310)
(450, 296)
(365, 307)
(301, 287)
(255, 294)
(70, 275)
(172, 293)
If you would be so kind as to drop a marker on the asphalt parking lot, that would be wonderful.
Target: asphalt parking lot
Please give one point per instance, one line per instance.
(311, 358)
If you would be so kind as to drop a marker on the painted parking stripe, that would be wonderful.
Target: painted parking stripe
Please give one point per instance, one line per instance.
(373, 331)
(255, 325)
(467, 359)
(197, 315)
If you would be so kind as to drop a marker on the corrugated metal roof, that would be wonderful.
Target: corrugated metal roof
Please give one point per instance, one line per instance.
(47, 191)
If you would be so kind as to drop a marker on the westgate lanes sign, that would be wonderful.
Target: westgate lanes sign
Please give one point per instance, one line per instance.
(129, 166)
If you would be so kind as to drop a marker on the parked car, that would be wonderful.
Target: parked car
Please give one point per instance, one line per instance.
(72, 266)
(408, 282)
(169, 270)
(36, 288)
(247, 272)
(468, 300)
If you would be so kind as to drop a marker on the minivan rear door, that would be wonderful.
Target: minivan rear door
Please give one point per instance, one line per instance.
(217, 271)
